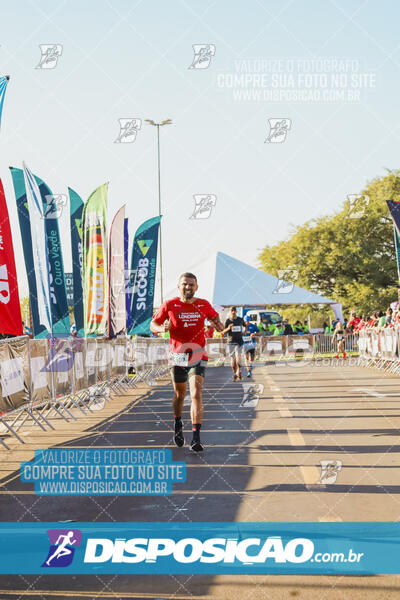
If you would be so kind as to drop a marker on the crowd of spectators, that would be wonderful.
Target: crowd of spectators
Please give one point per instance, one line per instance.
(376, 320)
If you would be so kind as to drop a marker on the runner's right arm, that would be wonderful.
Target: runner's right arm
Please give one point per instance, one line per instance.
(160, 322)
(160, 327)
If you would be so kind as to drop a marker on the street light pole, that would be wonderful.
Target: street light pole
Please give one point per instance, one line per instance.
(159, 212)
(158, 125)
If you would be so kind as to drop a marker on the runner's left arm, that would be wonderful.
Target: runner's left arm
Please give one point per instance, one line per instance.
(213, 317)
(216, 321)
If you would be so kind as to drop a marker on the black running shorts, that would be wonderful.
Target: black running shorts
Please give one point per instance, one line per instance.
(181, 374)
(251, 351)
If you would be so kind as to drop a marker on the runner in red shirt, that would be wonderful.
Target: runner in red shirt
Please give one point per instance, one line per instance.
(353, 322)
(184, 318)
(209, 332)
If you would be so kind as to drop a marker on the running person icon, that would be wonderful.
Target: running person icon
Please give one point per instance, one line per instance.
(62, 550)
(233, 328)
(184, 318)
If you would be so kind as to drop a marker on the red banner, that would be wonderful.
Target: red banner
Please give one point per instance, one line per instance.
(10, 310)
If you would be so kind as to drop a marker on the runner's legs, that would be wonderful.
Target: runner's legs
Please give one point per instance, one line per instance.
(238, 351)
(234, 361)
(178, 398)
(196, 383)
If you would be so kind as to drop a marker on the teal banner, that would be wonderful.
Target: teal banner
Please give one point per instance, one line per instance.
(143, 273)
(39, 330)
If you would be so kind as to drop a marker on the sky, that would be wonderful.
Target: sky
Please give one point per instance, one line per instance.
(333, 67)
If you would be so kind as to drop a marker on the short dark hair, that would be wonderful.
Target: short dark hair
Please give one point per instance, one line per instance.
(190, 275)
(233, 308)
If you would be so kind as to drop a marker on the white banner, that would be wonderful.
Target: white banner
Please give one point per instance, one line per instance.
(12, 376)
(39, 248)
(38, 372)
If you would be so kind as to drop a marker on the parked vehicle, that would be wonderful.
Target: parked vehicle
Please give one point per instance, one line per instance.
(258, 316)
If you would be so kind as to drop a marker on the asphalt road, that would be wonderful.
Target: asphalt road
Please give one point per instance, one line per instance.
(261, 463)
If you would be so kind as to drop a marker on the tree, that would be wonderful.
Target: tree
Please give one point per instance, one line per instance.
(350, 256)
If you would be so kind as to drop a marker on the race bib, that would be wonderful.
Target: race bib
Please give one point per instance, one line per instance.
(236, 329)
(247, 338)
(179, 359)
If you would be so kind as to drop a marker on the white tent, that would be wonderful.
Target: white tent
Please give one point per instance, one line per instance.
(226, 281)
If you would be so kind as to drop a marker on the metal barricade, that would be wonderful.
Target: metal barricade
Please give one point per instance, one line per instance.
(42, 379)
(272, 346)
(215, 348)
(299, 344)
(379, 348)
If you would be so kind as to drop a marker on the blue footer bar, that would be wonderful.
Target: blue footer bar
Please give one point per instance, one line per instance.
(213, 548)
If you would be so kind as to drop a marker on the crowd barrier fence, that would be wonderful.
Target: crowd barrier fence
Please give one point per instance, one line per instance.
(282, 346)
(379, 348)
(43, 379)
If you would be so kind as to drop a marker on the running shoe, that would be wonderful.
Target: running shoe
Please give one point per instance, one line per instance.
(249, 374)
(234, 377)
(196, 446)
(178, 437)
(240, 375)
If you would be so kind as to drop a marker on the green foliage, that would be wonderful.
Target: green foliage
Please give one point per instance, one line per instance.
(300, 313)
(348, 258)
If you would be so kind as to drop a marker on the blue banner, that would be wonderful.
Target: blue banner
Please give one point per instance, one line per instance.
(397, 247)
(128, 296)
(39, 330)
(52, 207)
(143, 265)
(76, 208)
(394, 209)
(200, 548)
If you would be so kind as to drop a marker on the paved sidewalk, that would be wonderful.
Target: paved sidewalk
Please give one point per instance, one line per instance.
(261, 463)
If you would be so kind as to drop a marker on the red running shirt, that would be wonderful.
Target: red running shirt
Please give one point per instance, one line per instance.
(187, 325)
